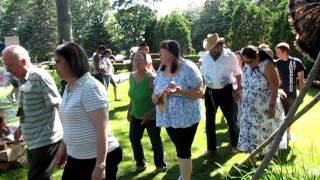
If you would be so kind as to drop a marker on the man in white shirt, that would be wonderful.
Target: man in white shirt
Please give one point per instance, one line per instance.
(220, 69)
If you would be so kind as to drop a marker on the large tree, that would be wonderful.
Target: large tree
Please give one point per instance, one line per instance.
(131, 26)
(250, 24)
(174, 26)
(44, 29)
(215, 16)
(64, 20)
(89, 19)
(12, 16)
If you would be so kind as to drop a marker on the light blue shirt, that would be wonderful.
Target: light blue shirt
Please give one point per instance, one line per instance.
(181, 112)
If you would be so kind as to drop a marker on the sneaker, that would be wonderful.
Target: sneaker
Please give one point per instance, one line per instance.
(117, 99)
(141, 168)
(161, 169)
(180, 178)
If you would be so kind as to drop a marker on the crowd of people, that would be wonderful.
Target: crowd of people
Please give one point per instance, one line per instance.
(253, 91)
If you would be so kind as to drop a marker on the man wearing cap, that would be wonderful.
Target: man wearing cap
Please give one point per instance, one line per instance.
(220, 69)
(290, 69)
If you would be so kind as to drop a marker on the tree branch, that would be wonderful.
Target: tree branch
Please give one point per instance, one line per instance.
(296, 117)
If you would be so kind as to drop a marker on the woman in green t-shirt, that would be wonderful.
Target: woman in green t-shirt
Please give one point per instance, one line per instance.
(141, 114)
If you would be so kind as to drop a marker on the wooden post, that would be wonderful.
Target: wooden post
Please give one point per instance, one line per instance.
(288, 119)
(296, 117)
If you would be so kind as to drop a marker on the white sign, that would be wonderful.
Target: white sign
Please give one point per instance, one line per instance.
(11, 40)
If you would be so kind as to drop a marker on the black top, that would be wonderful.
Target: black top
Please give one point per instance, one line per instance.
(288, 71)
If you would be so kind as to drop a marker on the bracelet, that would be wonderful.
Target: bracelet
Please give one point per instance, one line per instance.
(101, 166)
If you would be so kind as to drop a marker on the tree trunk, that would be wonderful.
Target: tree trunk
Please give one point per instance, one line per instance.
(64, 20)
(288, 119)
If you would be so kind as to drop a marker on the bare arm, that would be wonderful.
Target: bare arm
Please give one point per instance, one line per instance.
(238, 78)
(272, 76)
(129, 112)
(100, 119)
(195, 93)
(301, 80)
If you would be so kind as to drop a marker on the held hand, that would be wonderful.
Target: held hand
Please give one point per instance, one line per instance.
(18, 135)
(129, 117)
(271, 111)
(157, 99)
(237, 94)
(145, 119)
(173, 90)
(98, 174)
(62, 158)
(282, 94)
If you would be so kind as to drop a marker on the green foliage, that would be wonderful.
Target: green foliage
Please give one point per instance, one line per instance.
(89, 19)
(56, 78)
(132, 24)
(250, 24)
(215, 16)
(174, 26)
(43, 29)
(34, 22)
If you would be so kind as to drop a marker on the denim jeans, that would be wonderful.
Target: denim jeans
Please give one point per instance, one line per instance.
(136, 133)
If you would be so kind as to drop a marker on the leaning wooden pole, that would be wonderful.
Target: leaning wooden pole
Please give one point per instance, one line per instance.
(288, 119)
(310, 105)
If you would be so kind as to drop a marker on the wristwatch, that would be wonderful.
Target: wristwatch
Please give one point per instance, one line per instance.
(101, 166)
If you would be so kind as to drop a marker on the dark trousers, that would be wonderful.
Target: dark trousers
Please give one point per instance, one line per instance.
(83, 168)
(39, 160)
(182, 138)
(136, 133)
(287, 103)
(99, 77)
(114, 84)
(224, 99)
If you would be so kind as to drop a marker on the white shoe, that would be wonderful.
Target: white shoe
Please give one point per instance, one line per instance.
(291, 137)
(180, 178)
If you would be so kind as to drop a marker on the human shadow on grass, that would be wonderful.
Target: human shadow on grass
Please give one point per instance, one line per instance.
(204, 167)
(130, 174)
(113, 112)
(283, 157)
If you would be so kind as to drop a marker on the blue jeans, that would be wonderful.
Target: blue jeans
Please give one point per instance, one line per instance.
(136, 133)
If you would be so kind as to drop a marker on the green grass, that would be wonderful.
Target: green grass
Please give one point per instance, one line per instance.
(300, 161)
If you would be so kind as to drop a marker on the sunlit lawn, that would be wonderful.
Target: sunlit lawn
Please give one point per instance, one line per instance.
(303, 155)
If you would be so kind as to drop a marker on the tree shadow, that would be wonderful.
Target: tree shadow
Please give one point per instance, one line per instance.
(203, 166)
(282, 158)
(285, 156)
(113, 112)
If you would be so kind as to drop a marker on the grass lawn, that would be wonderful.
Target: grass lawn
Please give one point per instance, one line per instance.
(301, 161)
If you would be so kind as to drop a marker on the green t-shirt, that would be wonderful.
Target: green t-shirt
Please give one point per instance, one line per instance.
(141, 96)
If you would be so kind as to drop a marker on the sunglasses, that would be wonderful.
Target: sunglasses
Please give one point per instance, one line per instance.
(248, 62)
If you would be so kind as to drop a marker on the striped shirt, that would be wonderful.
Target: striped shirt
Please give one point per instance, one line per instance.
(80, 135)
(39, 97)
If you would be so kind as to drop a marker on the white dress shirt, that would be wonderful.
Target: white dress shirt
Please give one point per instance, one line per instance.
(221, 72)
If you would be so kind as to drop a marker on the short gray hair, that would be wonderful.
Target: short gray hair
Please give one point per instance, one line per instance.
(18, 52)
